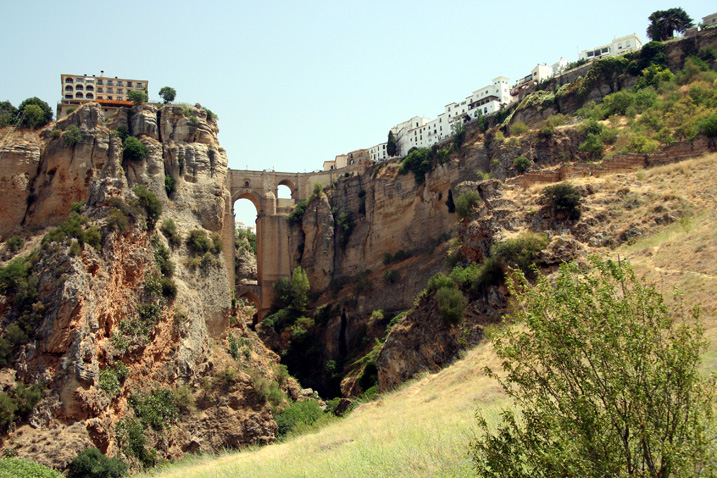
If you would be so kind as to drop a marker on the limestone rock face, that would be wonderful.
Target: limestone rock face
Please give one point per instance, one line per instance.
(319, 243)
(18, 168)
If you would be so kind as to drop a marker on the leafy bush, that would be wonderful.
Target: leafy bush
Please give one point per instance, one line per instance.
(708, 126)
(344, 227)
(465, 203)
(167, 93)
(520, 251)
(91, 463)
(169, 229)
(18, 403)
(148, 201)
(156, 409)
(72, 136)
(296, 416)
(169, 186)
(521, 163)
(439, 281)
(297, 215)
(130, 433)
(134, 149)
(402, 254)
(451, 304)
(563, 198)
(518, 128)
(14, 243)
(18, 468)
(418, 162)
(122, 132)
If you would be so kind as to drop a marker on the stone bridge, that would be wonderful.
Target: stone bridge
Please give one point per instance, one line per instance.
(272, 228)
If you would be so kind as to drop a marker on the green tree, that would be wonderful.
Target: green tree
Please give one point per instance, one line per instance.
(137, 96)
(168, 94)
(605, 380)
(8, 113)
(563, 197)
(664, 23)
(299, 290)
(465, 203)
(34, 117)
(392, 145)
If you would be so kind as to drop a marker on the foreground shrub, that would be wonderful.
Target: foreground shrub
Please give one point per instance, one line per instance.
(148, 201)
(563, 198)
(605, 381)
(419, 163)
(91, 463)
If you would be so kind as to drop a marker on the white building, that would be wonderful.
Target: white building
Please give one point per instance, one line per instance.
(419, 132)
(560, 66)
(619, 46)
(378, 152)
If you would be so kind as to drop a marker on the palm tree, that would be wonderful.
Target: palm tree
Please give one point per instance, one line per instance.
(663, 23)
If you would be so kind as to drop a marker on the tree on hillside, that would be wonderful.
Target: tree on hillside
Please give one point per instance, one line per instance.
(391, 145)
(664, 23)
(168, 94)
(8, 113)
(34, 117)
(137, 96)
(605, 378)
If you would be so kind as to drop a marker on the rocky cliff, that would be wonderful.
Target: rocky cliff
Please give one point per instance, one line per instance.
(117, 311)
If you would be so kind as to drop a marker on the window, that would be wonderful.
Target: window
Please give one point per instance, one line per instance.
(119, 83)
(78, 95)
(89, 96)
(110, 83)
(139, 84)
(129, 84)
(68, 80)
(119, 91)
(109, 98)
(99, 90)
(110, 90)
(79, 87)
(99, 82)
(68, 97)
(99, 97)
(68, 88)
(90, 88)
(79, 80)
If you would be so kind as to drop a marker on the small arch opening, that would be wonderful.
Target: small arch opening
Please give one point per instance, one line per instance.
(284, 192)
(78, 95)
(89, 96)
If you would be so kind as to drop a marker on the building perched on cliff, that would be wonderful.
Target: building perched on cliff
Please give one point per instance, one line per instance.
(109, 92)
(619, 46)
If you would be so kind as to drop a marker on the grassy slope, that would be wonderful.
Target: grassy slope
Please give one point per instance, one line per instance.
(424, 428)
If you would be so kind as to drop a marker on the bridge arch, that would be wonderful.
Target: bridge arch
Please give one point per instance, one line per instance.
(272, 228)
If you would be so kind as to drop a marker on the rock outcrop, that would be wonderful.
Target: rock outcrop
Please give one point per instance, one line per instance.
(104, 296)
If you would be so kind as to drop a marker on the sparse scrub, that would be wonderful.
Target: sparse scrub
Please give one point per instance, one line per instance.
(169, 229)
(520, 251)
(19, 468)
(521, 163)
(72, 136)
(518, 128)
(451, 303)
(297, 416)
(466, 202)
(563, 198)
(134, 149)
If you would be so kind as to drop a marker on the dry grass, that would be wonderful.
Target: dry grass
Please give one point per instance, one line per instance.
(424, 428)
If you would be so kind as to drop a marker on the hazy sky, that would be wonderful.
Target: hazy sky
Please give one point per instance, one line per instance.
(296, 83)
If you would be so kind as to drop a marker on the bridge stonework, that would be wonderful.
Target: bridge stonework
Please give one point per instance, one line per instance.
(272, 228)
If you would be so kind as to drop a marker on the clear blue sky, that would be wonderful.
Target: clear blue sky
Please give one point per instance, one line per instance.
(296, 83)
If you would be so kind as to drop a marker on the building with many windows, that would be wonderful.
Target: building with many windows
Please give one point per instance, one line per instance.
(109, 92)
(619, 46)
